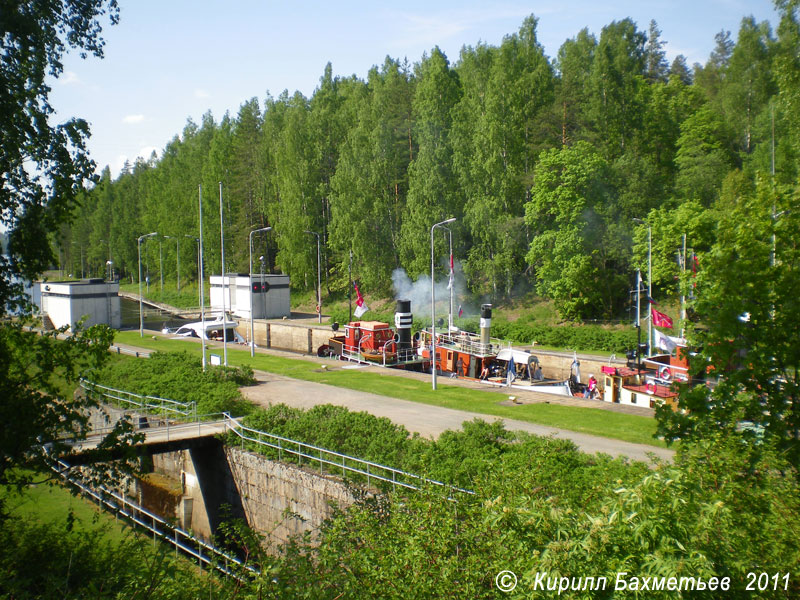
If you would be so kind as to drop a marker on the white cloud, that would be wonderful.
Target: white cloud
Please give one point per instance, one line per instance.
(69, 78)
(201, 94)
(433, 29)
(133, 119)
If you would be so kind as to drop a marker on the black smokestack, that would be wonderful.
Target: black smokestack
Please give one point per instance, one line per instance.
(486, 323)
(402, 321)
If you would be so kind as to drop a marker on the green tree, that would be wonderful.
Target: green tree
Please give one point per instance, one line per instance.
(668, 226)
(701, 157)
(520, 88)
(680, 70)
(787, 78)
(616, 83)
(747, 302)
(570, 186)
(370, 186)
(574, 64)
(432, 193)
(749, 83)
(43, 168)
(655, 61)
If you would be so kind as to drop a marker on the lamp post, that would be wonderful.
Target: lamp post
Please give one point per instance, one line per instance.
(160, 267)
(261, 283)
(139, 249)
(433, 305)
(200, 274)
(109, 264)
(319, 281)
(222, 269)
(649, 283)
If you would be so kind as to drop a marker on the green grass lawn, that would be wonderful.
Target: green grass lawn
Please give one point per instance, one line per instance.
(594, 421)
(52, 503)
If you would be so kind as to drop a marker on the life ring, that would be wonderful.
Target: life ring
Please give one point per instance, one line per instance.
(317, 309)
(650, 387)
(665, 373)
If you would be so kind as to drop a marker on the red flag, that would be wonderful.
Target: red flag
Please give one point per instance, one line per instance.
(660, 319)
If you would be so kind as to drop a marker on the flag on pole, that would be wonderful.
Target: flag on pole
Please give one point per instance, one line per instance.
(667, 342)
(361, 306)
(460, 310)
(660, 319)
(511, 375)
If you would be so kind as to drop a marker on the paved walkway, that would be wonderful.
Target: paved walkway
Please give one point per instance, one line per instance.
(427, 420)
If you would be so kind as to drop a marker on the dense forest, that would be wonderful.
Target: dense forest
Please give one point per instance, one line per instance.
(555, 168)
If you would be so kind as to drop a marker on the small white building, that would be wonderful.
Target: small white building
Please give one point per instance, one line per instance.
(270, 295)
(66, 302)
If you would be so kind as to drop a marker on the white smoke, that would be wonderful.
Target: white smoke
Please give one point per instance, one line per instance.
(419, 292)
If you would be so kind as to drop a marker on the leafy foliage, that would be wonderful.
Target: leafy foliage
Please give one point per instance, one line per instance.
(179, 376)
(544, 163)
(749, 283)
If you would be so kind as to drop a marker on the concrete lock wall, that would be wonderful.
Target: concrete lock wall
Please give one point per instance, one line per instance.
(282, 499)
(558, 366)
(276, 499)
(287, 336)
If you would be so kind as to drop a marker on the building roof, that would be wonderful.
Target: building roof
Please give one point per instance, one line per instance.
(659, 391)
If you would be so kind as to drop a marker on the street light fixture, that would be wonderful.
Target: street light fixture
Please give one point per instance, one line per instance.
(139, 249)
(252, 339)
(319, 281)
(433, 306)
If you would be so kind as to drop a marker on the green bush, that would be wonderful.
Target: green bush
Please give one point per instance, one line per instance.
(179, 376)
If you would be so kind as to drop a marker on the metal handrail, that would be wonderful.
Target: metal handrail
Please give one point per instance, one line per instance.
(303, 450)
(141, 401)
(167, 532)
(366, 468)
(466, 342)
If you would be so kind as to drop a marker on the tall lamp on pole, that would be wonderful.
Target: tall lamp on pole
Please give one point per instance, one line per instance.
(433, 305)
(649, 283)
(139, 249)
(261, 284)
(319, 281)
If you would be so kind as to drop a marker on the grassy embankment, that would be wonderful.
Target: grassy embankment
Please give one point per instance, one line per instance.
(629, 428)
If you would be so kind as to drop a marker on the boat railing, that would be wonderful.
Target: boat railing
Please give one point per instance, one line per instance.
(466, 342)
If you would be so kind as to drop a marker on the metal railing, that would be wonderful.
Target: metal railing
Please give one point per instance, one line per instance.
(465, 342)
(336, 461)
(130, 351)
(160, 406)
(183, 541)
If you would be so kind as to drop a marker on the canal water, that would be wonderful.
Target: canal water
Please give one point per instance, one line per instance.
(153, 318)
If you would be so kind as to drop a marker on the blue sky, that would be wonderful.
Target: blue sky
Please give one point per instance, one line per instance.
(169, 61)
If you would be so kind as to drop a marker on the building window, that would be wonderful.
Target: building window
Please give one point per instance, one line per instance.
(633, 398)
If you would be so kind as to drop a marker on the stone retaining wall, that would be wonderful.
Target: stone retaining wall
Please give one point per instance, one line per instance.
(286, 335)
(278, 500)
(282, 499)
